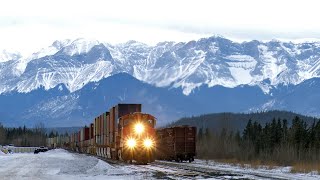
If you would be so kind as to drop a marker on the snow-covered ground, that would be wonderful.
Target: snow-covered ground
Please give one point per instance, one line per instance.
(263, 172)
(61, 165)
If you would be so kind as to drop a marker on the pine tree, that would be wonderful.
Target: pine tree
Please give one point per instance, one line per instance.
(284, 131)
(317, 136)
(247, 131)
(2, 134)
(312, 135)
(200, 134)
(207, 133)
(51, 134)
(238, 137)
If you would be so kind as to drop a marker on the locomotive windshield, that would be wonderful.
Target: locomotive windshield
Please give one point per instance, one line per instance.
(150, 122)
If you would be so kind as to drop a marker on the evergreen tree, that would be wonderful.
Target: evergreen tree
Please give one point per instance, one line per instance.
(200, 134)
(207, 133)
(247, 131)
(284, 131)
(51, 134)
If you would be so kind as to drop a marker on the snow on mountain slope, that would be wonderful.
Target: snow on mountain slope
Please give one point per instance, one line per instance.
(51, 50)
(73, 63)
(208, 61)
(240, 67)
(7, 56)
(79, 46)
(56, 107)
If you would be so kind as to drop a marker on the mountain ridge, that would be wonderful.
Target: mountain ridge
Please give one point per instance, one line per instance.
(211, 61)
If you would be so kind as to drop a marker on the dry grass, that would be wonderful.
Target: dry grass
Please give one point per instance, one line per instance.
(306, 167)
(302, 167)
(252, 164)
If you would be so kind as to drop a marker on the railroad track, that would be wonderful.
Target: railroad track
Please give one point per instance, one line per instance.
(174, 170)
(159, 171)
(212, 172)
(202, 172)
(162, 172)
(171, 170)
(194, 170)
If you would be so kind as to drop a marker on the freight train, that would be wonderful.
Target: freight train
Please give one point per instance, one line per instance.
(125, 133)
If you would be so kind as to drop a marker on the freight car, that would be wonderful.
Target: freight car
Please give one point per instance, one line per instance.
(176, 143)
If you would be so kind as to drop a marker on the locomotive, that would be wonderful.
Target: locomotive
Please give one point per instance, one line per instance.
(137, 138)
(123, 133)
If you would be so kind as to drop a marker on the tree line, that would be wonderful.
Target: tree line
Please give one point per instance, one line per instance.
(23, 136)
(276, 141)
(237, 121)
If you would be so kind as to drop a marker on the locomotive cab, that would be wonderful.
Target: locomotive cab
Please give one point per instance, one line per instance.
(137, 138)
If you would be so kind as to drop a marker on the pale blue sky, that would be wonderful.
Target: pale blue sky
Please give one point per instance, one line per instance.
(26, 26)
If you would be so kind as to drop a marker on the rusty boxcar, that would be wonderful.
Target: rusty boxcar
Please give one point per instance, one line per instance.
(176, 143)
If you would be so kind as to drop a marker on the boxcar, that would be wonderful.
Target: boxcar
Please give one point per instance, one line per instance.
(176, 143)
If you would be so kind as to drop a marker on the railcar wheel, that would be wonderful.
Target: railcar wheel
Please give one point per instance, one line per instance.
(120, 155)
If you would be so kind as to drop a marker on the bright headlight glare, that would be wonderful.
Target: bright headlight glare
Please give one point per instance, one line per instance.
(148, 143)
(139, 128)
(131, 143)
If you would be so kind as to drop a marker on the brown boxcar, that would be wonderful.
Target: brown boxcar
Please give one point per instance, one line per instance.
(177, 143)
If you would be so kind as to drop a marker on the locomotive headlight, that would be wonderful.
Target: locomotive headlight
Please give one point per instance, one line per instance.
(139, 128)
(148, 143)
(131, 143)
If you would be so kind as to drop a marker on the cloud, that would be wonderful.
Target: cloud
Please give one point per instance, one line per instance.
(29, 25)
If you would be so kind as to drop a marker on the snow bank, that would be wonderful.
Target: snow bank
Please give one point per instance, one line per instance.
(60, 165)
(100, 168)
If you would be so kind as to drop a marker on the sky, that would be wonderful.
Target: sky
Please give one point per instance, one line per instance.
(29, 25)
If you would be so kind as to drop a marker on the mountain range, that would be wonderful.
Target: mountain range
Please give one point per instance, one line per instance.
(72, 81)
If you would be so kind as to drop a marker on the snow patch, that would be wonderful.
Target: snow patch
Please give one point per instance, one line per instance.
(7, 56)
(100, 168)
(60, 88)
(79, 46)
(242, 76)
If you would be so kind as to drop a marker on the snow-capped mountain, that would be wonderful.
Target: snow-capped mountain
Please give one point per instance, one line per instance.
(208, 61)
(193, 67)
